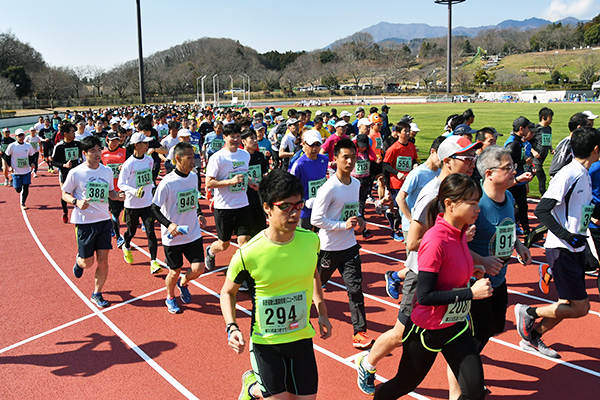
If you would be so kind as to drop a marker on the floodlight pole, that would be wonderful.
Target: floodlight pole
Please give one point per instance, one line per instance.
(249, 101)
(202, 83)
(449, 56)
(140, 54)
(244, 87)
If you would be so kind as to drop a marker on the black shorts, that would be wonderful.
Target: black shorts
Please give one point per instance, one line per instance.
(92, 237)
(289, 367)
(238, 220)
(409, 288)
(376, 168)
(489, 315)
(115, 206)
(193, 252)
(568, 271)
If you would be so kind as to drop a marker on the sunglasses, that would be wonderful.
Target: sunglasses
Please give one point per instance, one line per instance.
(289, 207)
(470, 159)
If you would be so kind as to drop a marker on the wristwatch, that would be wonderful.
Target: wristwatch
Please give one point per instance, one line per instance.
(74, 201)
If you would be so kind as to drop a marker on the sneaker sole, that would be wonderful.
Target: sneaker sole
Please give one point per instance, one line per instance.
(525, 345)
(363, 346)
(152, 272)
(387, 286)
(171, 311)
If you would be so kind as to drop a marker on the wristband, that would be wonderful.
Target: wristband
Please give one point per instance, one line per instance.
(229, 333)
(229, 325)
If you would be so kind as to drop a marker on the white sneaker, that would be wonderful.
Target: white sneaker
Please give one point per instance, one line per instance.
(6, 182)
(34, 175)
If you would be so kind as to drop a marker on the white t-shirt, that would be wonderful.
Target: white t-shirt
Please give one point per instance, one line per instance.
(334, 204)
(288, 143)
(85, 133)
(136, 173)
(224, 165)
(38, 126)
(169, 142)
(34, 141)
(88, 129)
(162, 129)
(19, 157)
(86, 183)
(177, 198)
(571, 219)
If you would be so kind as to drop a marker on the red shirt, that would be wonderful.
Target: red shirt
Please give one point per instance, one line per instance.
(443, 251)
(114, 160)
(401, 157)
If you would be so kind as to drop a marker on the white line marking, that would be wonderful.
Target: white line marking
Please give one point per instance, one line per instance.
(160, 370)
(353, 357)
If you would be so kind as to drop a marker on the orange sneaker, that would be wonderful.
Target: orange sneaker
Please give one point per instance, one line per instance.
(362, 341)
(545, 278)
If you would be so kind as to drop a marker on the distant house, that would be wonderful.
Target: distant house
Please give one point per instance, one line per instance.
(595, 86)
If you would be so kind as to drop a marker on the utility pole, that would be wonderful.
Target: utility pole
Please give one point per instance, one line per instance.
(140, 54)
(449, 57)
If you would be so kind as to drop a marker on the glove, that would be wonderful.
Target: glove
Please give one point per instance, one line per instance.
(140, 192)
(576, 240)
(309, 203)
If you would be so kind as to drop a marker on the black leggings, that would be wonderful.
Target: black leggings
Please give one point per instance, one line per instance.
(459, 351)
(132, 219)
(519, 192)
(24, 190)
(35, 159)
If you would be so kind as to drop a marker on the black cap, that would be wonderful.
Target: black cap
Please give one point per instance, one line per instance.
(112, 136)
(362, 140)
(520, 122)
(384, 107)
(406, 118)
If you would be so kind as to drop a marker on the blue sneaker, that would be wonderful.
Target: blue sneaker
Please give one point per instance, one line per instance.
(397, 236)
(120, 241)
(186, 296)
(366, 378)
(392, 285)
(77, 270)
(143, 228)
(520, 231)
(172, 306)
(98, 300)
(112, 233)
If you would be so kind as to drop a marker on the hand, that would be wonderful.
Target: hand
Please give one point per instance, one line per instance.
(478, 271)
(482, 289)
(324, 327)
(236, 341)
(400, 176)
(352, 223)
(267, 153)
(83, 204)
(525, 177)
(68, 164)
(202, 221)
(173, 229)
(470, 233)
(492, 265)
(524, 255)
(236, 179)
(576, 240)
(253, 185)
(121, 196)
(361, 224)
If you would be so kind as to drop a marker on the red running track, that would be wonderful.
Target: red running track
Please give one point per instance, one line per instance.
(55, 344)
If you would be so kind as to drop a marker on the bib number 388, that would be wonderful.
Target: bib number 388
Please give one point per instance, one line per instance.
(97, 192)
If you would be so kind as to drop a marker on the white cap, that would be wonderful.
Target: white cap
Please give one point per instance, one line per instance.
(128, 126)
(312, 136)
(364, 121)
(319, 112)
(590, 115)
(19, 132)
(345, 114)
(114, 121)
(139, 137)
(291, 121)
(341, 122)
(184, 132)
(414, 127)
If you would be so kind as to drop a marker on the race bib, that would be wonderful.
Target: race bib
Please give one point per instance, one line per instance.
(238, 187)
(35, 145)
(403, 164)
(143, 177)
(48, 135)
(196, 149)
(282, 314)
(254, 173)
(22, 162)
(217, 144)
(523, 153)
(378, 143)
(504, 240)
(72, 153)
(187, 200)
(115, 169)
(546, 139)
(362, 167)
(586, 216)
(313, 187)
(457, 312)
(349, 210)
(97, 192)
(102, 141)
(4, 146)
(263, 150)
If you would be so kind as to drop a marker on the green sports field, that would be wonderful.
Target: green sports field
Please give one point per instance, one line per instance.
(431, 118)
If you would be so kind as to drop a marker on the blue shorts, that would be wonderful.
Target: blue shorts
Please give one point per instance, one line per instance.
(20, 180)
(92, 237)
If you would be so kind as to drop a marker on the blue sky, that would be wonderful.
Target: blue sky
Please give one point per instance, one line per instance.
(103, 33)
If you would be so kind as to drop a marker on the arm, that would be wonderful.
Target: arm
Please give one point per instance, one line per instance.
(318, 217)
(492, 264)
(68, 197)
(544, 213)
(324, 324)
(212, 183)
(122, 181)
(428, 296)
(403, 205)
(228, 301)
(117, 196)
(415, 234)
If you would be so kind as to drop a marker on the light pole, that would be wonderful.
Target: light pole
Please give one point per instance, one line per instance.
(216, 89)
(202, 82)
(244, 87)
(449, 57)
(249, 100)
(140, 54)
(197, 90)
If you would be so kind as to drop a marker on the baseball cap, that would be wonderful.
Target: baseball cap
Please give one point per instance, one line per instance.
(358, 109)
(331, 122)
(319, 112)
(139, 137)
(385, 107)
(114, 121)
(258, 127)
(520, 122)
(406, 118)
(184, 132)
(362, 140)
(312, 136)
(464, 129)
(364, 121)
(128, 126)
(7, 129)
(278, 110)
(291, 121)
(345, 114)
(414, 127)
(19, 132)
(112, 136)
(456, 145)
(589, 114)
(340, 123)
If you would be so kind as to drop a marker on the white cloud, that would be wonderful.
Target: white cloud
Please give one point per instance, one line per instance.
(560, 9)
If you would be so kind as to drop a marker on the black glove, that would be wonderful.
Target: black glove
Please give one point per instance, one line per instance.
(575, 240)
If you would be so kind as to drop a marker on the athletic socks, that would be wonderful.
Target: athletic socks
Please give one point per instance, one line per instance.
(532, 312)
(366, 365)
(395, 277)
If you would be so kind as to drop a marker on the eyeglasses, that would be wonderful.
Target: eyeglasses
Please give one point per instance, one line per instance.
(507, 168)
(289, 207)
(315, 144)
(469, 159)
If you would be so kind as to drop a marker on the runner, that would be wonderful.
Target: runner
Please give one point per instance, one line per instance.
(227, 174)
(281, 260)
(88, 187)
(257, 169)
(566, 210)
(288, 142)
(6, 140)
(335, 213)
(438, 322)
(365, 158)
(214, 141)
(154, 147)
(135, 180)
(542, 145)
(81, 129)
(67, 155)
(169, 142)
(113, 157)
(21, 155)
(175, 206)
(47, 134)
(35, 142)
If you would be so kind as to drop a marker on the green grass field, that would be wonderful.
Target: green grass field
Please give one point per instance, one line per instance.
(431, 119)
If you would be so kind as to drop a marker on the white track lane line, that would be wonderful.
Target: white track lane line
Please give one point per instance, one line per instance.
(153, 364)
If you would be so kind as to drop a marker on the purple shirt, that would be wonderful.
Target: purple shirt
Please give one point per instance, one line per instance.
(308, 170)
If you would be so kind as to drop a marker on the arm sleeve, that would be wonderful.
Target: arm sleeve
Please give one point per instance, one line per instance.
(544, 213)
(160, 216)
(428, 296)
(58, 157)
(387, 167)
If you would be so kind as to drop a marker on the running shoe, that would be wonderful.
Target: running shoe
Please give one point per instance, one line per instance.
(51, 170)
(120, 241)
(367, 234)
(65, 218)
(248, 380)
(366, 377)
(370, 200)
(98, 300)
(545, 277)
(127, 255)
(524, 321)
(155, 267)
(211, 206)
(535, 235)
(34, 175)
(172, 306)
(520, 231)
(378, 207)
(6, 182)
(186, 296)
(392, 285)
(143, 228)
(362, 341)
(77, 270)
(537, 345)
(209, 260)
(23, 207)
(397, 236)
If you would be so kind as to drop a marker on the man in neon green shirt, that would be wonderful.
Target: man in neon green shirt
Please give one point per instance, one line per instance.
(281, 263)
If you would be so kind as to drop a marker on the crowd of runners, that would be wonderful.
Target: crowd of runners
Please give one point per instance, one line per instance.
(293, 188)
